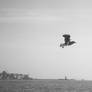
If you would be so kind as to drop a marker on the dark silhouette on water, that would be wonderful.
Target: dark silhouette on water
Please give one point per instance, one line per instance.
(67, 41)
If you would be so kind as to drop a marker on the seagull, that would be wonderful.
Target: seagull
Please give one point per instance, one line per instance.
(67, 40)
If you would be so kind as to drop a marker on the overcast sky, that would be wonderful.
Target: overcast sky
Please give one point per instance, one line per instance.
(31, 32)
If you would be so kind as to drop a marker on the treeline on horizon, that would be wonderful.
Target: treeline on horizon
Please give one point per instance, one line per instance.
(14, 76)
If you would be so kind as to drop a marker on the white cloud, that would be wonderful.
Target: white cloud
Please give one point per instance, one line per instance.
(18, 15)
(27, 15)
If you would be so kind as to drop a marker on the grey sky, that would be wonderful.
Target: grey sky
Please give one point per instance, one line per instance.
(31, 31)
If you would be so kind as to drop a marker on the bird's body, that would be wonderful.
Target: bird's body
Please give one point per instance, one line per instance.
(67, 41)
(66, 38)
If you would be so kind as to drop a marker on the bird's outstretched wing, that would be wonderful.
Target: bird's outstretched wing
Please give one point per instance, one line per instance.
(72, 42)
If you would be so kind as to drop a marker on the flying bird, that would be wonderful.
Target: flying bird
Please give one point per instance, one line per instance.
(67, 41)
